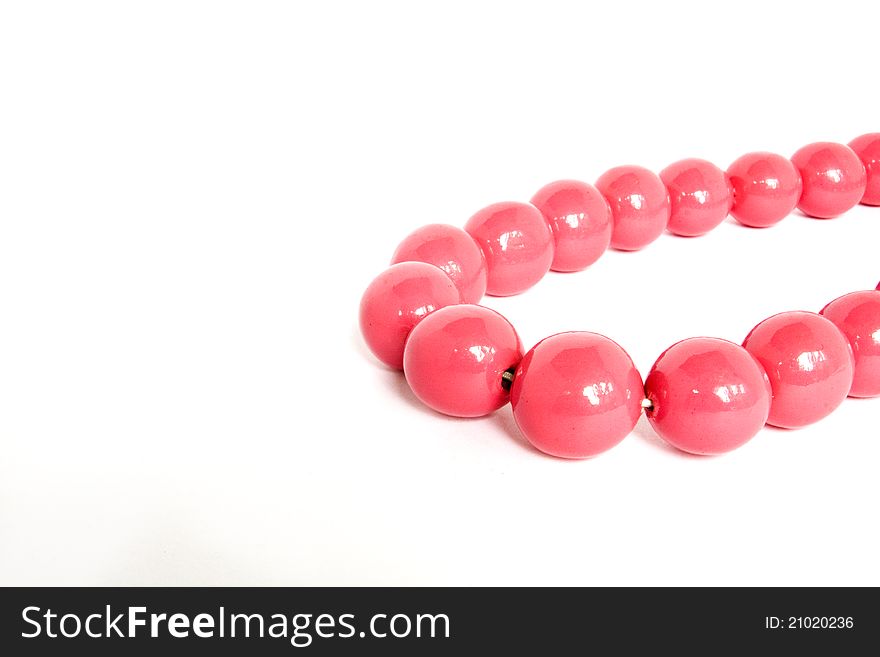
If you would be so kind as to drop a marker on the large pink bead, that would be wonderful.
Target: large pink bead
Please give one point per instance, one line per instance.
(396, 301)
(454, 363)
(834, 179)
(867, 147)
(857, 315)
(580, 219)
(451, 249)
(699, 196)
(639, 205)
(809, 362)
(575, 395)
(517, 243)
(766, 188)
(709, 396)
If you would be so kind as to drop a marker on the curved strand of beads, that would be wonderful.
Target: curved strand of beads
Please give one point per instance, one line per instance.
(576, 394)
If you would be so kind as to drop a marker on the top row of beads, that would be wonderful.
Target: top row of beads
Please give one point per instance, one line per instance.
(507, 247)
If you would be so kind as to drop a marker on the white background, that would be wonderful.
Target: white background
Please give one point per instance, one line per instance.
(193, 197)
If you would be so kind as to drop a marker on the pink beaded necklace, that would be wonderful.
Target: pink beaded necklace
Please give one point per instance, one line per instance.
(577, 394)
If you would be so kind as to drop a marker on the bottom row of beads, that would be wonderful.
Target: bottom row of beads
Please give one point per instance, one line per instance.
(577, 394)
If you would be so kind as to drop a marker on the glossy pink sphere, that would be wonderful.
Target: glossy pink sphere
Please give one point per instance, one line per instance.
(451, 249)
(809, 362)
(454, 363)
(699, 196)
(517, 243)
(396, 301)
(857, 315)
(867, 147)
(639, 206)
(709, 396)
(834, 179)
(580, 220)
(575, 395)
(766, 188)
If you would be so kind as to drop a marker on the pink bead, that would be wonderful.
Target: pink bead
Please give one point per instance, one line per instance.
(517, 243)
(709, 396)
(580, 220)
(451, 249)
(699, 196)
(834, 179)
(766, 188)
(396, 301)
(575, 395)
(809, 362)
(867, 147)
(639, 205)
(857, 315)
(455, 358)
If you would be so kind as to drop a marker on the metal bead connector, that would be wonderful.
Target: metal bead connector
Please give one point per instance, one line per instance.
(507, 378)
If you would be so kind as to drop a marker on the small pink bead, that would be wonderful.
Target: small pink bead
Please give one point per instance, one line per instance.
(454, 363)
(396, 301)
(580, 219)
(834, 179)
(639, 206)
(451, 249)
(857, 315)
(575, 395)
(517, 243)
(809, 362)
(699, 196)
(709, 396)
(867, 147)
(766, 188)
